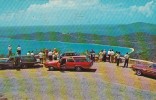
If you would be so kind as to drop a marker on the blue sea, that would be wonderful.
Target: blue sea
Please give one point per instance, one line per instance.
(36, 46)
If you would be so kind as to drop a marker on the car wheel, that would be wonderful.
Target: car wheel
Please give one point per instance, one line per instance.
(138, 72)
(78, 69)
(24, 66)
(51, 68)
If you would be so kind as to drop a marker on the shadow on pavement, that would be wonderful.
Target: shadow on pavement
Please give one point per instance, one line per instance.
(147, 76)
(84, 70)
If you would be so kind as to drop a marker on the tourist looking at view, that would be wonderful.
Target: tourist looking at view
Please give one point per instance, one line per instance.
(50, 55)
(10, 51)
(19, 50)
(104, 55)
(126, 56)
(100, 55)
(118, 58)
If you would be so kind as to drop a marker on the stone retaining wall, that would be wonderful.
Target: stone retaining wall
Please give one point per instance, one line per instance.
(138, 61)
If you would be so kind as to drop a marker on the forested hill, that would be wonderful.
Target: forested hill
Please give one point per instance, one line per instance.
(109, 30)
(143, 43)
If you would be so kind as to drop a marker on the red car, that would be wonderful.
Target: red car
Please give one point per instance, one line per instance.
(75, 62)
(141, 69)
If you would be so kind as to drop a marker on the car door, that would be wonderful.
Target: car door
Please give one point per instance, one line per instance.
(63, 63)
(145, 69)
(153, 70)
(2, 63)
(70, 64)
(84, 63)
(11, 62)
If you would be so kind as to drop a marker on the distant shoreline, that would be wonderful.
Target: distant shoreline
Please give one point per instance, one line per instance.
(36, 42)
(141, 44)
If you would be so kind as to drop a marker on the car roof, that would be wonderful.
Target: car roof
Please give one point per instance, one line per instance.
(4, 58)
(69, 52)
(20, 56)
(74, 57)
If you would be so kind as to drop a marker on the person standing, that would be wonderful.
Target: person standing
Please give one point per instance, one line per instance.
(118, 58)
(100, 55)
(92, 54)
(19, 50)
(46, 53)
(87, 54)
(112, 56)
(10, 51)
(115, 56)
(32, 53)
(104, 55)
(28, 53)
(41, 56)
(126, 56)
(109, 54)
(55, 54)
(50, 55)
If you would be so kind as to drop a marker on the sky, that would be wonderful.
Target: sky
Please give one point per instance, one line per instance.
(76, 12)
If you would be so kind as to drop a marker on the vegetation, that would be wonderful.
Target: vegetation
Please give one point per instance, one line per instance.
(53, 36)
(96, 38)
(66, 37)
(40, 36)
(127, 40)
(112, 41)
(143, 46)
(81, 38)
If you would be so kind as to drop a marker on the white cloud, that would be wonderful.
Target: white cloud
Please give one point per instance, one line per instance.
(64, 4)
(147, 9)
(75, 12)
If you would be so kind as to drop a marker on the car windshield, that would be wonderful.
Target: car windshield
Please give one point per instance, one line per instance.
(154, 66)
(3, 60)
(70, 54)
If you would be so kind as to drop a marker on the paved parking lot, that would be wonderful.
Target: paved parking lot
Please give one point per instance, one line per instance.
(103, 81)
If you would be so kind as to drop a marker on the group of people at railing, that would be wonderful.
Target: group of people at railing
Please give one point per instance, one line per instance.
(108, 56)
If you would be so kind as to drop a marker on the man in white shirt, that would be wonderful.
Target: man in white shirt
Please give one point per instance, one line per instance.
(9, 50)
(55, 54)
(112, 56)
(32, 53)
(28, 53)
(41, 57)
(19, 50)
(126, 56)
(50, 55)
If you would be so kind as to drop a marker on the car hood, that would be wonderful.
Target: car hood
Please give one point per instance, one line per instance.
(141, 65)
(54, 61)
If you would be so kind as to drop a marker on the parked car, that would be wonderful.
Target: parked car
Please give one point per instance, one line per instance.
(18, 62)
(69, 54)
(141, 69)
(5, 63)
(74, 62)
